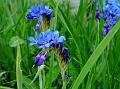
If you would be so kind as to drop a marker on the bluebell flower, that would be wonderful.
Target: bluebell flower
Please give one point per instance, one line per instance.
(45, 39)
(42, 40)
(111, 13)
(34, 12)
(40, 58)
(33, 40)
(45, 10)
(57, 39)
(39, 12)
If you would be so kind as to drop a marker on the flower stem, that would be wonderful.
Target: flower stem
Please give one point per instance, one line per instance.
(44, 25)
(40, 68)
(98, 32)
(64, 80)
(40, 80)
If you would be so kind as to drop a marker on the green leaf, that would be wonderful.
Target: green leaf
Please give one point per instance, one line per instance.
(15, 41)
(26, 82)
(40, 68)
(2, 87)
(94, 57)
(50, 74)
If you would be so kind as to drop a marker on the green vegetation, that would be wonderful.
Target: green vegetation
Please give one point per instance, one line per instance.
(94, 59)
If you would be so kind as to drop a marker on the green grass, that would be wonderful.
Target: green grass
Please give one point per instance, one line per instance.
(94, 60)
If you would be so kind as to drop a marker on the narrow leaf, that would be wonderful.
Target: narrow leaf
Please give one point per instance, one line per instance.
(94, 57)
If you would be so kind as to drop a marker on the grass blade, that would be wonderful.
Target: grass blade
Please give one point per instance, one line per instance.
(49, 82)
(2, 87)
(94, 57)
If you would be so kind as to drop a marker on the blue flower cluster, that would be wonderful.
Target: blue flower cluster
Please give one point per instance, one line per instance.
(48, 38)
(111, 12)
(39, 12)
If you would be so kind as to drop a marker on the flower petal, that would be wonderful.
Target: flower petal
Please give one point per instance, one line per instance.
(61, 39)
(56, 34)
(47, 45)
(32, 43)
(41, 46)
(31, 39)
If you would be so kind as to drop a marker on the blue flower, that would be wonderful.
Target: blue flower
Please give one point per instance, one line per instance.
(110, 15)
(45, 10)
(40, 58)
(45, 39)
(33, 40)
(34, 12)
(57, 39)
(39, 12)
(42, 40)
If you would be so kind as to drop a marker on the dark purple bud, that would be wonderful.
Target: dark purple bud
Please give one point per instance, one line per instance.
(97, 13)
(40, 58)
(37, 26)
(37, 59)
(65, 54)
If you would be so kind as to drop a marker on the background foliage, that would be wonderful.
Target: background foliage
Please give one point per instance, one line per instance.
(83, 35)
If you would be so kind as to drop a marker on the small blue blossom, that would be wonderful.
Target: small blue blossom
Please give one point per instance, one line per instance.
(39, 12)
(33, 40)
(57, 39)
(34, 13)
(45, 39)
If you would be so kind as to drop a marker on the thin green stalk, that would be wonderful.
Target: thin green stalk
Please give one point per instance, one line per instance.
(64, 85)
(63, 79)
(40, 79)
(43, 75)
(39, 73)
(18, 69)
(44, 25)
(97, 37)
(63, 67)
(98, 31)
